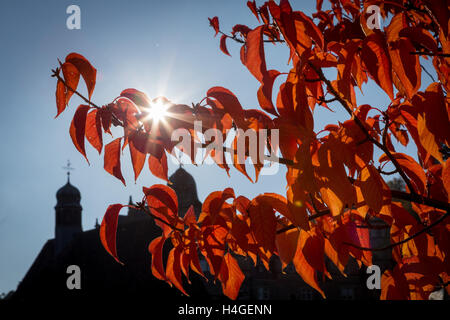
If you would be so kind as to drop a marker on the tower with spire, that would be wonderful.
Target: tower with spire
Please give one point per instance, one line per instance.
(67, 213)
(186, 189)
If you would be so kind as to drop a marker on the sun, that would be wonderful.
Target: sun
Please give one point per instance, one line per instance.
(158, 110)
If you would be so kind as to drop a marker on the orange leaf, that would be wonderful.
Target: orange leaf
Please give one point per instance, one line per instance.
(446, 177)
(214, 22)
(71, 77)
(155, 248)
(406, 66)
(412, 169)
(111, 160)
(223, 44)
(189, 216)
(252, 6)
(94, 130)
(227, 102)
(87, 71)
(427, 138)
(138, 97)
(78, 127)
(307, 30)
(309, 257)
(263, 223)
(372, 187)
(265, 92)
(158, 167)
(137, 159)
(60, 97)
(231, 276)
(297, 206)
(252, 53)
(108, 229)
(287, 245)
(163, 203)
(377, 61)
(173, 269)
(106, 117)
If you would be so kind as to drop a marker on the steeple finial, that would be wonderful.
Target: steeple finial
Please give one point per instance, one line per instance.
(68, 168)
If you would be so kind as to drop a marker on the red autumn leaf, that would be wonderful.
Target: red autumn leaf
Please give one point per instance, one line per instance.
(60, 97)
(263, 223)
(156, 249)
(108, 229)
(162, 195)
(227, 102)
(106, 117)
(394, 286)
(412, 169)
(252, 6)
(158, 167)
(144, 143)
(309, 257)
(71, 77)
(189, 217)
(215, 201)
(138, 97)
(111, 161)
(336, 190)
(287, 245)
(223, 44)
(163, 203)
(406, 66)
(427, 138)
(94, 130)
(446, 177)
(252, 54)
(307, 30)
(214, 22)
(239, 157)
(378, 62)
(231, 276)
(173, 269)
(137, 159)
(265, 92)
(84, 67)
(78, 128)
(372, 187)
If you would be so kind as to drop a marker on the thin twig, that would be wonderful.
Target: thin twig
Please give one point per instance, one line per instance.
(404, 240)
(429, 74)
(56, 74)
(431, 54)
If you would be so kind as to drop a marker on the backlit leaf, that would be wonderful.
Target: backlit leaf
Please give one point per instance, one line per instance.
(108, 229)
(111, 160)
(87, 71)
(94, 130)
(231, 276)
(78, 128)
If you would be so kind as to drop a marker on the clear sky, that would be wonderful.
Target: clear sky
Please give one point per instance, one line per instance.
(160, 47)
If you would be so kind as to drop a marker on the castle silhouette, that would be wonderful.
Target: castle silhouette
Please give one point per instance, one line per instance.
(103, 278)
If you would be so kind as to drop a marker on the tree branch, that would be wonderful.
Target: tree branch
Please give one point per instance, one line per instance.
(403, 241)
(56, 74)
(432, 54)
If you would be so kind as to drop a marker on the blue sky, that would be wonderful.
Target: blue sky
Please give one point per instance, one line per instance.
(160, 47)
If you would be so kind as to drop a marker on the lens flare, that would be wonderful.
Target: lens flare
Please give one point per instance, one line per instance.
(158, 110)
